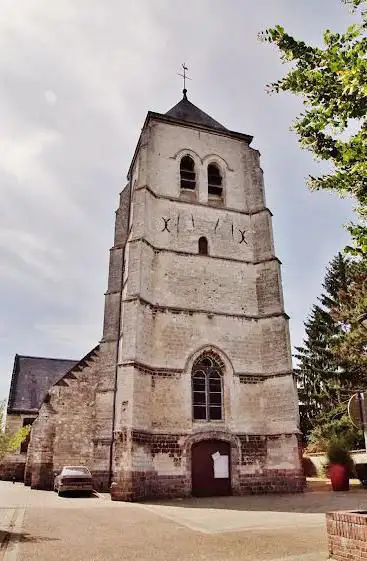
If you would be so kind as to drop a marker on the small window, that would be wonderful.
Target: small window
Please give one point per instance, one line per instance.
(207, 390)
(203, 246)
(187, 173)
(215, 188)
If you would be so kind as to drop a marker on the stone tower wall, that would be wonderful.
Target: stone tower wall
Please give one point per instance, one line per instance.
(176, 303)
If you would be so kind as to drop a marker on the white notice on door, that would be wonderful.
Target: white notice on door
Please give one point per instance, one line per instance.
(220, 466)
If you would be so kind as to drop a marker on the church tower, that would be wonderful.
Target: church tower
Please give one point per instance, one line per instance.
(205, 401)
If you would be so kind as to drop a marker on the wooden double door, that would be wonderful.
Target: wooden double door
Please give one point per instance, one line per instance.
(211, 468)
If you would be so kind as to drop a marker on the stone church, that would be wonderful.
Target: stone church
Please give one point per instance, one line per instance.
(190, 390)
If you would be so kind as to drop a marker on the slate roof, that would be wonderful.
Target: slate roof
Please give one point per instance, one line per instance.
(32, 378)
(184, 110)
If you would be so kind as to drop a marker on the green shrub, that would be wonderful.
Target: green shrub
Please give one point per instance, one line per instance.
(329, 430)
(337, 454)
(309, 468)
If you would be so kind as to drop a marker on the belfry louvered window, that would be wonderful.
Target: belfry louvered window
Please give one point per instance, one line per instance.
(187, 173)
(215, 187)
(207, 390)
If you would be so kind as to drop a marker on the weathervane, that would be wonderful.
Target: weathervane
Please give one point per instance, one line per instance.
(185, 77)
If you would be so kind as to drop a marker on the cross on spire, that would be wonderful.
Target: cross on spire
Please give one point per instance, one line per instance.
(185, 77)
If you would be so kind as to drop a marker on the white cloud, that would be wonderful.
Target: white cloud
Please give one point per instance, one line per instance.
(32, 252)
(19, 153)
(50, 97)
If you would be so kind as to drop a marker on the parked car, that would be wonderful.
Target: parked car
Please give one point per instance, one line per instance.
(73, 478)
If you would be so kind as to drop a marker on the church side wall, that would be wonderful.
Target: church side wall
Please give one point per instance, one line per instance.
(70, 429)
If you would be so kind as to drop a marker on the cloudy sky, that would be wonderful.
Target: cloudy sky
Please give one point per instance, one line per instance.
(77, 78)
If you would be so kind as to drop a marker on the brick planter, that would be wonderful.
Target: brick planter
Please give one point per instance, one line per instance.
(347, 535)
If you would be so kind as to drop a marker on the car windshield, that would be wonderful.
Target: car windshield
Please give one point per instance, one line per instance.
(75, 470)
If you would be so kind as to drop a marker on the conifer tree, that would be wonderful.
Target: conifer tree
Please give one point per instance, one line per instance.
(323, 383)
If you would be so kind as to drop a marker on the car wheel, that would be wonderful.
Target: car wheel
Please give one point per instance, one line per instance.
(59, 493)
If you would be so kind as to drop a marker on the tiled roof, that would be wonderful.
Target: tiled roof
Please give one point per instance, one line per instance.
(32, 378)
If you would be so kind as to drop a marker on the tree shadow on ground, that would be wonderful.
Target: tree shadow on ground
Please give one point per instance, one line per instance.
(307, 503)
(10, 536)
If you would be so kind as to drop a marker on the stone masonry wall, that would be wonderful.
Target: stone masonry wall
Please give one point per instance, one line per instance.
(12, 467)
(238, 162)
(176, 225)
(70, 428)
(167, 338)
(162, 466)
(161, 401)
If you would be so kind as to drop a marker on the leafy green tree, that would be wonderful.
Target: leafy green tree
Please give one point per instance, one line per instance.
(332, 82)
(9, 442)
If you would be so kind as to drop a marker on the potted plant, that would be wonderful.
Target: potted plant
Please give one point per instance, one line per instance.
(339, 467)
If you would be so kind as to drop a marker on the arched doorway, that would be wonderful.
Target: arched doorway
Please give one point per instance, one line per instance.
(211, 468)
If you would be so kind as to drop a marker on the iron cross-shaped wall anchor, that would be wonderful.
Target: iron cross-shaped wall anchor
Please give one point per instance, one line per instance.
(242, 240)
(165, 227)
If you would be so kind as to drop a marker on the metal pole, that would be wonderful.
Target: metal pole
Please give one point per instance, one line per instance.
(362, 407)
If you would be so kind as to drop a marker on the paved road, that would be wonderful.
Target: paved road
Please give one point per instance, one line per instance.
(39, 526)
